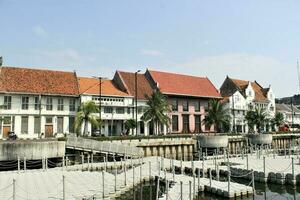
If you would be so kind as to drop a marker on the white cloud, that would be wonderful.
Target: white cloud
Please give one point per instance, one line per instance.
(266, 70)
(40, 31)
(150, 52)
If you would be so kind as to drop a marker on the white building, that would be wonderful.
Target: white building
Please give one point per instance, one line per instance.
(37, 103)
(241, 96)
(290, 113)
(116, 105)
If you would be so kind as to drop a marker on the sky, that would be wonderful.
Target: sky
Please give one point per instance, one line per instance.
(244, 39)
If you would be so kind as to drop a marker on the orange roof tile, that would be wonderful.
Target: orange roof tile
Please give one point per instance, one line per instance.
(91, 86)
(39, 81)
(179, 84)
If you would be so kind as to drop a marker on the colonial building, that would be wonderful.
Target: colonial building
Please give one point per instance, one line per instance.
(116, 105)
(290, 113)
(126, 82)
(37, 103)
(188, 97)
(241, 96)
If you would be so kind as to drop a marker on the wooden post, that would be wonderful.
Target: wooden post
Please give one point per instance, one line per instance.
(141, 171)
(115, 180)
(181, 192)
(14, 189)
(190, 190)
(125, 174)
(157, 188)
(149, 170)
(46, 163)
(167, 190)
(133, 171)
(253, 182)
(82, 161)
(203, 170)
(194, 186)
(181, 167)
(198, 179)
(264, 165)
(103, 183)
(19, 165)
(293, 172)
(247, 161)
(24, 164)
(64, 187)
(229, 174)
(210, 177)
(63, 162)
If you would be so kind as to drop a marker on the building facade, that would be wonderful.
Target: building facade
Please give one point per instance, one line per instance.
(188, 97)
(37, 103)
(116, 105)
(290, 113)
(240, 96)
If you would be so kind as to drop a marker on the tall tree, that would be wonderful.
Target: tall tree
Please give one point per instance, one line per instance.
(129, 124)
(257, 117)
(217, 115)
(85, 115)
(278, 120)
(157, 107)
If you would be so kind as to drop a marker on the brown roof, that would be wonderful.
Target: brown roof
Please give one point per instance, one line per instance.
(260, 92)
(24, 80)
(179, 84)
(91, 86)
(143, 86)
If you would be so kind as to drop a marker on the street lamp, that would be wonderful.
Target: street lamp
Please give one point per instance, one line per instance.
(136, 111)
(100, 78)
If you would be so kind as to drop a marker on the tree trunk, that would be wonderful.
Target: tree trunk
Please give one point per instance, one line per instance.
(85, 127)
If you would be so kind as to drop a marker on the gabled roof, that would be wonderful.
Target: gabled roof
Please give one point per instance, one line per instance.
(91, 86)
(143, 85)
(231, 85)
(38, 81)
(184, 85)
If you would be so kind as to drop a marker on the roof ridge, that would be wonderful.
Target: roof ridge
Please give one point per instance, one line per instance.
(36, 69)
(177, 73)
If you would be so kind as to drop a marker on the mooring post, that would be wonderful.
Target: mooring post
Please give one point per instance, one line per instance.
(14, 189)
(115, 179)
(253, 182)
(167, 189)
(64, 187)
(264, 165)
(125, 174)
(92, 159)
(181, 166)
(141, 175)
(162, 163)
(67, 161)
(133, 171)
(293, 172)
(149, 170)
(82, 161)
(194, 186)
(103, 183)
(198, 179)
(24, 164)
(210, 177)
(88, 161)
(105, 163)
(43, 163)
(192, 166)
(63, 162)
(157, 188)
(203, 170)
(218, 173)
(190, 190)
(229, 176)
(247, 161)
(181, 192)
(19, 166)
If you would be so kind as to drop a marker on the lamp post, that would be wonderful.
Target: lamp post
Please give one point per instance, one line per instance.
(292, 109)
(100, 78)
(136, 111)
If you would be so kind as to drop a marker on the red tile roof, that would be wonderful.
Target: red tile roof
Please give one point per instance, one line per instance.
(178, 84)
(260, 92)
(91, 86)
(24, 80)
(143, 85)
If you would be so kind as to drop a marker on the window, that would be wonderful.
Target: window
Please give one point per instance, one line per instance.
(48, 120)
(60, 124)
(120, 110)
(207, 127)
(186, 124)
(128, 110)
(185, 105)
(174, 105)
(7, 120)
(142, 127)
(24, 125)
(140, 110)
(174, 123)
(108, 109)
(25, 103)
(250, 93)
(197, 123)
(206, 106)
(7, 102)
(72, 105)
(60, 104)
(37, 125)
(71, 124)
(197, 106)
(49, 105)
(36, 103)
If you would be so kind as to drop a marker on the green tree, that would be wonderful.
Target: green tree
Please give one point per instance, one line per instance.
(217, 115)
(257, 117)
(157, 107)
(86, 115)
(278, 120)
(129, 124)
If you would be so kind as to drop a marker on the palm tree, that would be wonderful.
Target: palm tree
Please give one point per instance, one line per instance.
(86, 115)
(217, 115)
(157, 107)
(257, 117)
(278, 120)
(129, 124)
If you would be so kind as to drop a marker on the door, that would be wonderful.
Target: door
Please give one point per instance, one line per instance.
(48, 131)
(6, 130)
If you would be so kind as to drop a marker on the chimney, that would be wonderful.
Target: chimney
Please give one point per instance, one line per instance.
(1, 61)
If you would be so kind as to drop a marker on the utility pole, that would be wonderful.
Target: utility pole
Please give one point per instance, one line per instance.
(292, 109)
(136, 109)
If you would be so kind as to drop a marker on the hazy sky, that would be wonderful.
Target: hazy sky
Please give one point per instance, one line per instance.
(252, 40)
